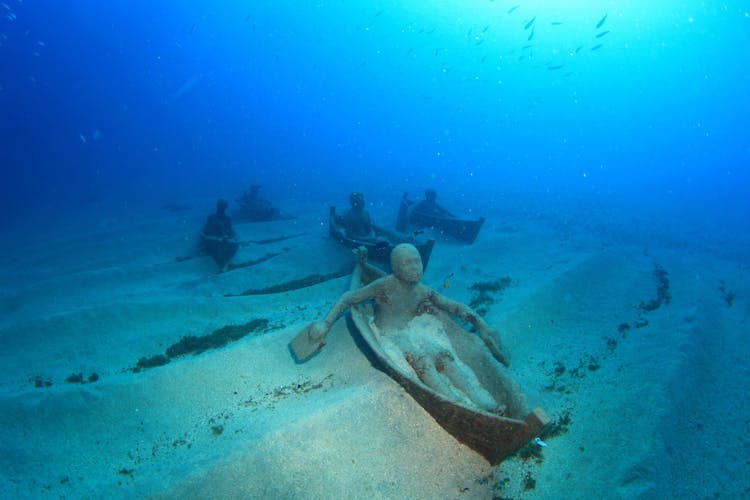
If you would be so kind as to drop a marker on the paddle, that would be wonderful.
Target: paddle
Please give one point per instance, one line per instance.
(304, 347)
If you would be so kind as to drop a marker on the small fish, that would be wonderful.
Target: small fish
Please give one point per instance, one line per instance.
(83, 138)
(530, 23)
(555, 67)
(597, 46)
(578, 49)
(446, 281)
(486, 28)
(601, 21)
(510, 11)
(599, 35)
(538, 441)
(556, 23)
(531, 35)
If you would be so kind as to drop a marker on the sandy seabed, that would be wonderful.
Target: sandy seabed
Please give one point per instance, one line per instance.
(648, 396)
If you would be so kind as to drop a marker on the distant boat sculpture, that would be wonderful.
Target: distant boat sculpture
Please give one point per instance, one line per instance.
(379, 249)
(428, 214)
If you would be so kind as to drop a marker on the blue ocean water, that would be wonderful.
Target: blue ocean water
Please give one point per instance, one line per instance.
(139, 102)
(627, 119)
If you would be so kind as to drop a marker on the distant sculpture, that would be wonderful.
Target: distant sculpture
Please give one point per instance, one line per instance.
(218, 238)
(430, 205)
(254, 207)
(356, 221)
(429, 214)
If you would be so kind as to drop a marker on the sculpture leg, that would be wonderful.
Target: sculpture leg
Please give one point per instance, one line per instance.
(465, 380)
(429, 374)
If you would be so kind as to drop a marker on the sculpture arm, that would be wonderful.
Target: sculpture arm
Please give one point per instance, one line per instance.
(489, 335)
(320, 329)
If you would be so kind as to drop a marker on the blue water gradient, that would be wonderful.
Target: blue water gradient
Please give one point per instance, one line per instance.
(138, 102)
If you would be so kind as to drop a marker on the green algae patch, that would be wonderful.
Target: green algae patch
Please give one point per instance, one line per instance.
(305, 282)
(485, 292)
(218, 338)
(194, 344)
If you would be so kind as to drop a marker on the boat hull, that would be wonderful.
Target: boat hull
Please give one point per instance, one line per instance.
(493, 436)
(465, 230)
(378, 250)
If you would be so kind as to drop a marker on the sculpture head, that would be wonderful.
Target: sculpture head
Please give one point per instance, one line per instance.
(407, 263)
(357, 200)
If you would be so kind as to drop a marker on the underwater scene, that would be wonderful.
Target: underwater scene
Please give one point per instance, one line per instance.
(470, 249)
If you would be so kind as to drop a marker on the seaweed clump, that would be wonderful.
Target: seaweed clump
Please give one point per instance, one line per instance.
(152, 361)
(485, 292)
(77, 378)
(533, 451)
(193, 344)
(41, 382)
(530, 451)
(557, 427)
(529, 483)
(662, 290)
(296, 284)
(727, 295)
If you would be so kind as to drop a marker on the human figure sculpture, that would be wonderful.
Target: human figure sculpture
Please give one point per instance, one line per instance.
(412, 336)
(218, 238)
(356, 220)
(254, 207)
(430, 205)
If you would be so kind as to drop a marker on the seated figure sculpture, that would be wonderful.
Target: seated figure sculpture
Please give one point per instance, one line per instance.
(430, 205)
(412, 336)
(356, 220)
(218, 238)
(254, 207)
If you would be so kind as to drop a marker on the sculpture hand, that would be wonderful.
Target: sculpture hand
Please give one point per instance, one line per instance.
(361, 255)
(492, 340)
(317, 331)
